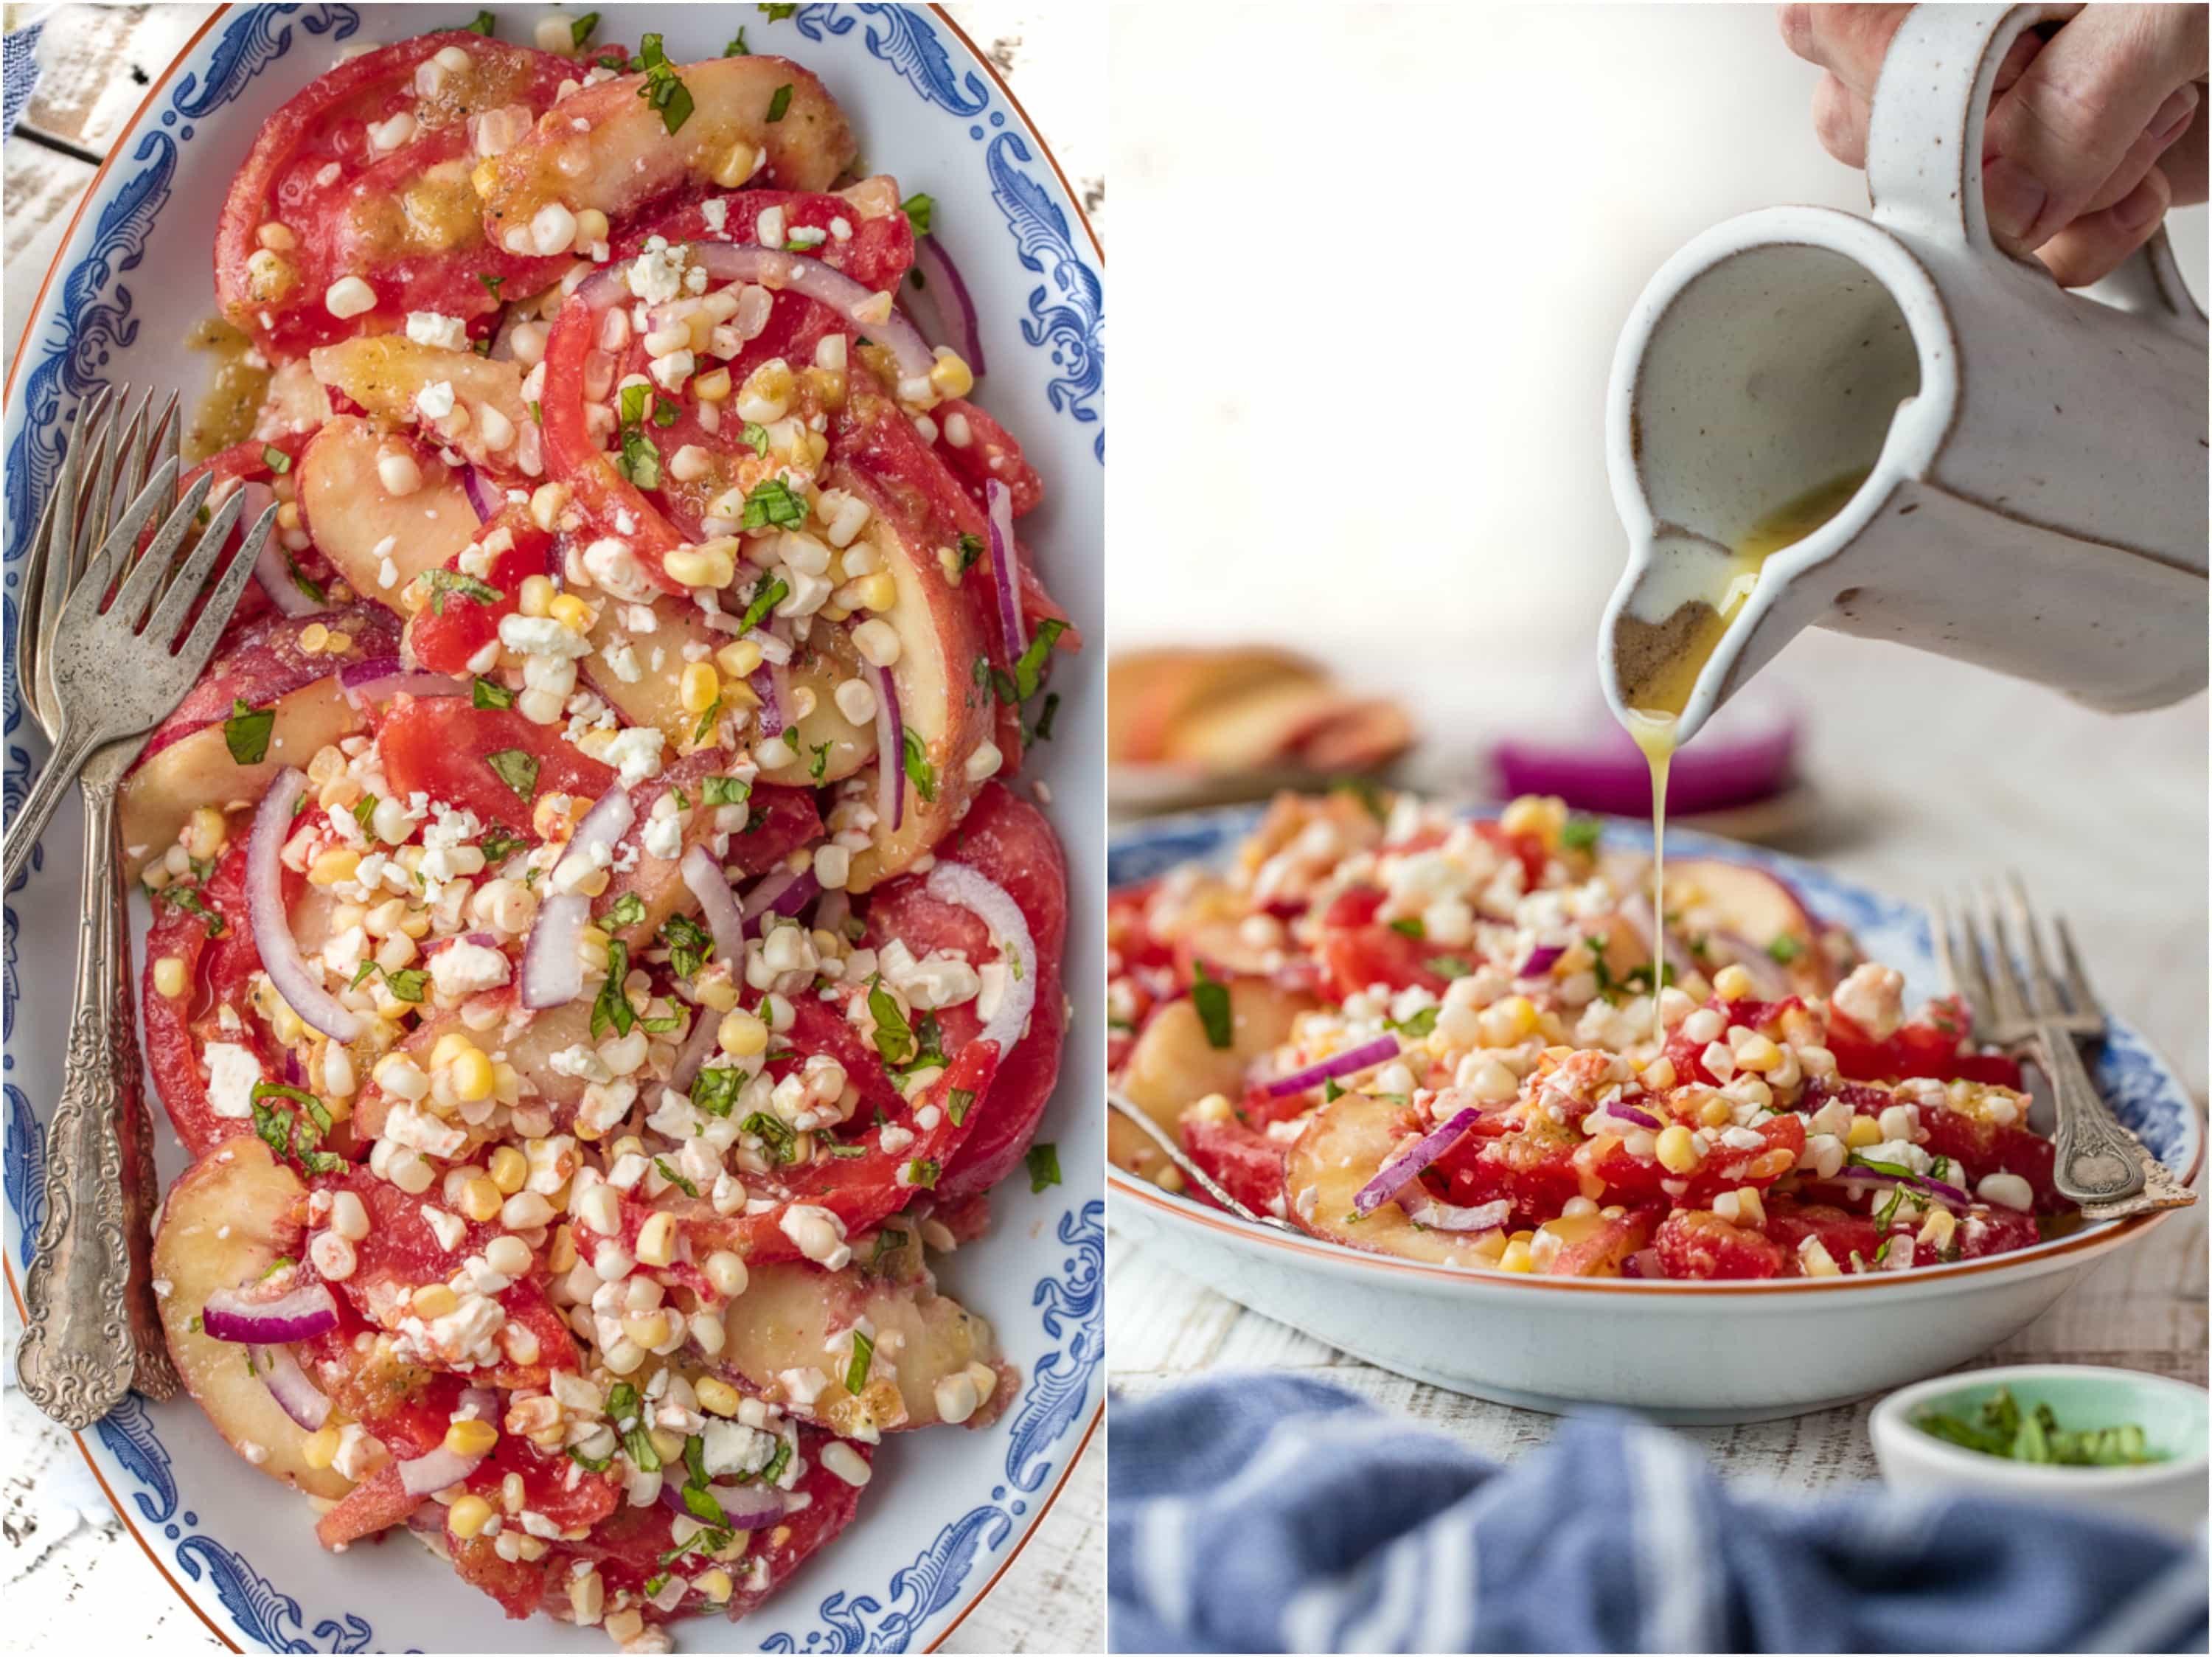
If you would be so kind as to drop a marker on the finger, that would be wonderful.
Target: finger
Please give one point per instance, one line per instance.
(1839, 120)
(2145, 151)
(2067, 125)
(1848, 41)
(2093, 247)
(2183, 164)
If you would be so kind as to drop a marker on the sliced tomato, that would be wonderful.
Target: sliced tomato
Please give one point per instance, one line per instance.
(1009, 843)
(1980, 1148)
(518, 1585)
(1528, 847)
(1532, 1166)
(263, 660)
(980, 451)
(377, 1503)
(1246, 1162)
(876, 251)
(443, 746)
(1852, 1239)
(1938, 1042)
(1358, 951)
(459, 619)
(557, 1485)
(1598, 1245)
(1985, 1230)
(408, 223)
(1697, 1243)
(219, 964)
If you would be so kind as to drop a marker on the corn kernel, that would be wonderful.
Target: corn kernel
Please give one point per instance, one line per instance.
(950, 377)
(669, 1443)
(480, 1200)
(320, 1448)
(472, 1076)
(561, 1253)
(205, 831)
(1757, 1054)
(716, 1397)
(1751, 1207)
(1864, 1131)
(712, 387)
(449, 1048)
(738, 164)
(717, 994)
(1677, 1152)
(509, 1169)
(877, 592)
(739, 659)
(169, 976)
(1732, 983)
(701, 688)
(475, 1437)
(468, 1515)
(715, 1585)
(535, 596)
(741, 1035)
(1716, 1112)
(337, 864)
(685, 566)
(1516, 1257)
(571, 612)
(656, 1240)
(434, 1300)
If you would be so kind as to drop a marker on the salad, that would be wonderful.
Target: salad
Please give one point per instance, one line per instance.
(1421, 1036)
(601, 956)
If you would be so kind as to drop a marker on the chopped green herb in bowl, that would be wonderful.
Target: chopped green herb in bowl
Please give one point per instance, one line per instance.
(2001, 1428)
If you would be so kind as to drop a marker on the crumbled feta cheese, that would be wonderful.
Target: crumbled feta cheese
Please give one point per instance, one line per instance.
(232, 1073)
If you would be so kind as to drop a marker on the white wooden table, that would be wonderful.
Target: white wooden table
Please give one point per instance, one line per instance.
(73, 1579)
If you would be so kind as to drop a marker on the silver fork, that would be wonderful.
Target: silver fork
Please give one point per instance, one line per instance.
(2098, 1164)
(99, 685)
(1198, 1176)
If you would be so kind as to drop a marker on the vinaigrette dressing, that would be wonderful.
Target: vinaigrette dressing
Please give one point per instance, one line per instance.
(225, 415)
(1675, 655)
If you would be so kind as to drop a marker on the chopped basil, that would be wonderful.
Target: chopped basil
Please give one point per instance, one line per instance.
(443, 581)
(776, 14)
(919, 770)
(612, 1007)
(918, 208)
(1211, 997)
(1449, 966)
(674, 1177)
(1580, 834)
(754, 435)
(639, 461)
(772, 1133)
(703, 1508)
(638, 1440)
(1368, 796)
(971, 548)
(768, 593)
(820, 764)
(1044, 1166)
(187, 898)
(662, 88)
(714, 1090)
(1042, 730)
(364, 809)
(776, 105)
(1331, 1091)
(274, 459)
(406, 984)
(737, 48)
(689, 945)
(921, 1174)
(1785, 949)
(1028, 670)
(958, 1104)
(627, 911)
(632, 402)
(579, 32)
(590, 1464)
(2000, 1427)
(518, 769)
(247, 732)
(774, 502)
(1417, 1025)
(705, 727)
(492, 283)
(665, 413)
(894, 1035)
(482, 24)
(856, 1373)
(490, 693)
(1411, 926)
(724, 790)
(500, 843)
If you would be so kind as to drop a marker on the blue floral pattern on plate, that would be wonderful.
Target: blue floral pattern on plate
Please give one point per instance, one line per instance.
(70, 353)
(2143, 1092)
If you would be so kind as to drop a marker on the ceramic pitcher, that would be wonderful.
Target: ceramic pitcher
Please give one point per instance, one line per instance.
(2037, 459)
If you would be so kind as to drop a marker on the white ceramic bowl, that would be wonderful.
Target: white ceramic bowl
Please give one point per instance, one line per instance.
(2170, 1494)
(1686, 1352)
(947, 1510)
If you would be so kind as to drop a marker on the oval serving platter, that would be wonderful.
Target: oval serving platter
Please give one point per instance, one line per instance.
(948, 1510)
(1677, 1352)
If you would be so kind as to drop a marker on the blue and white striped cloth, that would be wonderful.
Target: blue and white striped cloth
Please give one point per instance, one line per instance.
(19, 73)
(1269, 1513)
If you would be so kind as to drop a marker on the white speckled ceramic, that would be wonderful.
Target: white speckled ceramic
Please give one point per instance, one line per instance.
(2037, 458)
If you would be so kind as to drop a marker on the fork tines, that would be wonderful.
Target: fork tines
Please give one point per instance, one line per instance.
(1975, 951)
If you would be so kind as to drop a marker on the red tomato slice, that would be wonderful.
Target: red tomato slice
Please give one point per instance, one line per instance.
(459, 621)
(1924, 1046)
(1008, 842)
(1841, 1232)
(876, 253)
(978, 450)
(1533, 1167)
(1249, 1164)
(442, 746)
(1695, 1243)
(1357, 950)
(217, 971)
(407, 222)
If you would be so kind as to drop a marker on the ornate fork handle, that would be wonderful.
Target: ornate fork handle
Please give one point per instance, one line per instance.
(2097, 1160)
(72, 749)
(91, 1329)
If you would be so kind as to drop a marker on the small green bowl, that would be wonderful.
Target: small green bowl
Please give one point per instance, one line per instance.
(2169, 1494)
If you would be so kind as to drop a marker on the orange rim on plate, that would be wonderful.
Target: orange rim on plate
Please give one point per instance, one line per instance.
(116, 146)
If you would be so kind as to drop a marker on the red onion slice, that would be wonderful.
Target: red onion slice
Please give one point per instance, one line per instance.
(296, 1395)
(712, 888)
(698, 1047)
(784, 893)
(484, 495)
(603, 827)
(1644, 1263)
(772, 687)
(552, 961)
(943, 297)
(1919, 1182)
(1423, 1209)
(270, 570)
(1367, 1054)
(300, 984)
(1766, 974)
(747, 1506)
(1630, 1113)
(366, 683)
(772, 648)
(1636, 909)
(299, 1314)
(1401, 1171)
(890, 748)
(726, 262)
(1541, 960)
(1005, 579)
(957, 883)
(427, 1475)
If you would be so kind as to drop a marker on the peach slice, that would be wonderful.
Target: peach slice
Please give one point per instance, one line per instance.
(1343, 1146)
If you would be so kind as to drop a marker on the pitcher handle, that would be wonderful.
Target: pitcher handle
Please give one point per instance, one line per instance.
(1924, 148)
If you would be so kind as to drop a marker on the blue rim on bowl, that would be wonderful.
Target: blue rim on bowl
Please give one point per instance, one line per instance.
(2137, 1083)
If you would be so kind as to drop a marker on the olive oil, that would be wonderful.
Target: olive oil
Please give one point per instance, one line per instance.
(225, 415)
